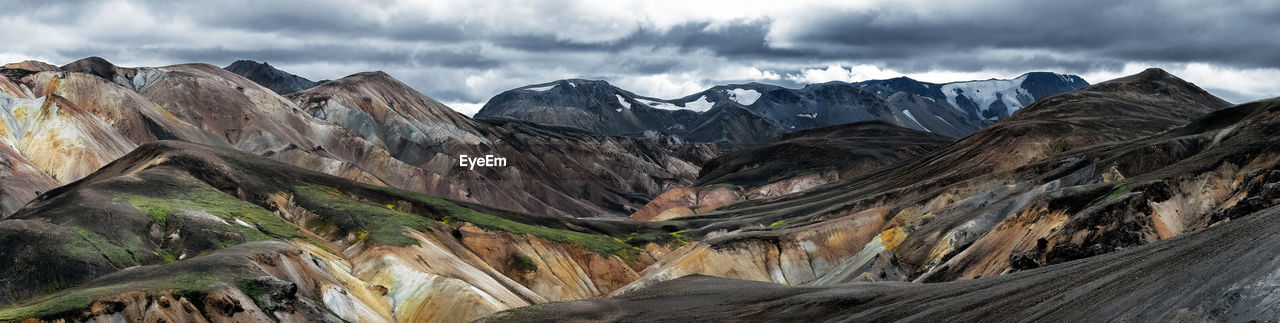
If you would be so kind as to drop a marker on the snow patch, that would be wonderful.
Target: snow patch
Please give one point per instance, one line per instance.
(623, 102)
(541, 88)
(744, 96)
(659, 105)
(808, 115)
(913, 119)
(945, 121)
(702, 104)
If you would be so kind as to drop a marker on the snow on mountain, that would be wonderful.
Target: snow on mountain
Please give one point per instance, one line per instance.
(660, 104)
(960, 108)
(623, 102)
(543, 88)
(985, 93)
(913, 119)
(744, 96)
(700, 105)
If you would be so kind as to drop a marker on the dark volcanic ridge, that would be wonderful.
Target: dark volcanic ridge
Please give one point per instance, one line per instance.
(279, 81)
(952, 109)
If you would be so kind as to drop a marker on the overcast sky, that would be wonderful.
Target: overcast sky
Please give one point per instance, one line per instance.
(464, 52)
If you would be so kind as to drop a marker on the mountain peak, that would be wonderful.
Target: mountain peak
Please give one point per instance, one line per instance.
(97, 66)
(95, 60)
(247, 63)
(1155, 71)
(1154, 81)
(270, 77)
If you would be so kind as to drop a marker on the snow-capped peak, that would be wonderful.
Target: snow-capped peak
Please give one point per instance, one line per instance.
(984, 93)
(744, 96)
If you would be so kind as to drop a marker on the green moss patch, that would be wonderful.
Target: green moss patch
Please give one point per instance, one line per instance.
(91, 243)
(75, 300)
(429, 208)
(370, 222)
(192, 278)
(603, 245)
(197, 196)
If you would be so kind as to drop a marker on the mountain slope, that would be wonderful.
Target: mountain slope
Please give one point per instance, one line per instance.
(228, 235)
(278, 81)
(964, 210)
(1109, 231)
(794, 162)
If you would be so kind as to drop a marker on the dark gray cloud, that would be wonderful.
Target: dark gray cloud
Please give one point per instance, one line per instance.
(735, 39)
(468, 57)
(468, 51)
(1241, 34)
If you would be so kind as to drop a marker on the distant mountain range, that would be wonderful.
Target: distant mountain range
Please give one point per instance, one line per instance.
(952, 109)
(743, 115)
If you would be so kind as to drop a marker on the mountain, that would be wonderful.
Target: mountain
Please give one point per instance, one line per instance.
(794, 162)
(992, 99)
(390, 135)
(1203, 190)
(600, 107)
(550, 170)
(1058, 171)
(176, 231)
(278, 81)
(953, 109)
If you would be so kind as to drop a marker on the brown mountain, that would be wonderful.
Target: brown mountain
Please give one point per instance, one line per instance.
(792, 163)
(391, 135)
(965, 210)
(177, 231)
(1209, 185)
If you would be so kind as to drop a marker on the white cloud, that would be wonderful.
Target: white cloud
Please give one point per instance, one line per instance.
(854, 73)
(662, 86)
(467, 108)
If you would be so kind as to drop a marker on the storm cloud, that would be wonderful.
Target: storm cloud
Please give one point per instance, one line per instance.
(464, 52)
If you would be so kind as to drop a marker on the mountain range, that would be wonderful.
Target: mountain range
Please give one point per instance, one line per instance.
(953, 109)
(189, 193)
